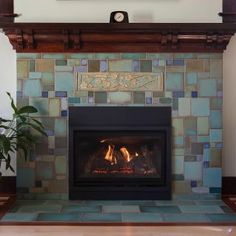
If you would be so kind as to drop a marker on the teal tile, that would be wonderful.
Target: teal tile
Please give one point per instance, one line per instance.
(207, 88)
(216, 68)
(200, 107)
(61, 62)
(216, 119)
(160, 209)
(191, 78)
(141, 217)
(174, 81)
(20, 217)
(64, 81)
(121, 209)
(190, 126)
(203, 139)
(98, 217)
(216, 135)
(222, 218)
(166, 101)
(160, 56)
(146, 66)
(216, 103)
(40, 209)
(227, 210)
(32, 88)
(60, 165)
(100, 97)
(191, 218)
(193, 170)
(60, 127)
(133, 56)
(201, 209)
(82, 56)
(28, 55)
(53, 56)
(82, 209)
(138, 202)
(212, 177)
(185, 55)
(210, 55)
(179, 141)
(103, 56)
(178, 165)
(44, 170)
(184, 106)
(25, 177)
(203, 126)
(103, 203)
(210, 203)
(35, 75)
(120, 65)
(58, 217)
(73, 100)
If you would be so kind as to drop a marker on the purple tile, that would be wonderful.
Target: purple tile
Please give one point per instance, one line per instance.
(178, 94)
(103, 66)
(45, 94)
(193, 183)
(169, 62)
(60, 94)
(19, 94)
(155, 63)
(206, 164)
(50, 132)
(81, 68)
(219, 94)
(148, 100)
(178, 62)
(219, 145)
(136, 66)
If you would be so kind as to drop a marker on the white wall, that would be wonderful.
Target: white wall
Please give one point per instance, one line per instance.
(99, 10)
(229, 110)
(7, 83)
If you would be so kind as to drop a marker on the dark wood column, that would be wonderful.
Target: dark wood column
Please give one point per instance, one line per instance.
(229, 11)
(6, 10)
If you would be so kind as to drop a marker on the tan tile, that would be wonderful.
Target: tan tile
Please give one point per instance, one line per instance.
(44, 65)
(22, 69)
(198, 65)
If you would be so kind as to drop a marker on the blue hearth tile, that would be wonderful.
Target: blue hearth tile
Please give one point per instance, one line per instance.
(64, 113)
(216, 135)
(60, 94)
(186, 218)
(222, 218)
(98, 217)
(215, 190)
(45, 94)
(160, 209)
(121, 209)
(58, 217)
(141, 217)
(22, 217)
(201, 209)
(79, 209)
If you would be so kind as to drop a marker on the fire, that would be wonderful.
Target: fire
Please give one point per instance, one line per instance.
(126, 154)
(109, 155)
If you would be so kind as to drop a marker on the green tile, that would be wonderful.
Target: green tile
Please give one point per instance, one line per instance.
(74, 100)
(32, 88)
(61, 62)
(60, 127)
(40, 209)
(93, 66)
(19, 217)
(167, 101)
(98, 217)
(192, 218)
(216, 68)
(103, 56)
(54, 107)
(174, 81)
(53, 56)
(185, 55)
(202, 125)
(32, 66)
(201, 209)
(59, 217)
(160, 56)
(139, 97)
(221, 218)
(41, 104)
(119, 97)
(100, 97)
(200, 107)
(145, 66)
(64, 81)
(25, 177)
(133, 56)
(178, 127)
(121, 209)
(184, 106)
(190, 126)
(28, 55)
(120, 65)
(60, 165)
(141, 217)
(80, 208)
(22, 69)
(82, 56)
(207, 88)
(44, 170)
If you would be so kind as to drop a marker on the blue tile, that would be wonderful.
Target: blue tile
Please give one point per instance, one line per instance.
(219, 145)
(215, 135)
(58, 217)
(121, 209)
(80, 208)
(193, 170)
(64, 81)
(174, 81)
(32, 88)
(212, 177)
(216, 119)
(215, 190)
(226, 209)
(141, 217)
(191, 78)
(148, 100)
(193, 183)
(98, 217)
(207, 88)
(64, 113)
(201, 209)
(35, 75)
(22, 217)
(200, 107)
(136, 66)
(103, 66)
(194, 94)
(50, 132)
(178, 94)
(60, 94)
(222, 218)
(206, 164)
(138, 202)
(186, 218)
(160, 209)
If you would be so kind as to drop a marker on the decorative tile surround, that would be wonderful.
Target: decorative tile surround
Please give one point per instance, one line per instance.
(191, 83)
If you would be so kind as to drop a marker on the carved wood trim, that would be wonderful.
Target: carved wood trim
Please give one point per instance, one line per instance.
(102, 37)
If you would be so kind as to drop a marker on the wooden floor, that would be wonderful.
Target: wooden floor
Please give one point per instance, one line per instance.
(116, 230)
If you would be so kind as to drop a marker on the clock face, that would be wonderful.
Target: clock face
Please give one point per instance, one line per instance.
(119, 17)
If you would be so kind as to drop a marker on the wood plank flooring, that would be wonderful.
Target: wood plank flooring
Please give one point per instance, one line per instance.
(116, 230)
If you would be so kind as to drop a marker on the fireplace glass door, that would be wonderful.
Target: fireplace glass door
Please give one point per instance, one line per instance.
(119, 154)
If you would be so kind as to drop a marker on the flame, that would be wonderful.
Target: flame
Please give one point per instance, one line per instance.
(136, 154)
(109, 155)
(126, 154)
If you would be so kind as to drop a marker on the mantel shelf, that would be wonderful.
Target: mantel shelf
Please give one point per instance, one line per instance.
(131, 37)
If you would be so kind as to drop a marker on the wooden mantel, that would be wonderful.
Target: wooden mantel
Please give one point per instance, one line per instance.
(132, 37)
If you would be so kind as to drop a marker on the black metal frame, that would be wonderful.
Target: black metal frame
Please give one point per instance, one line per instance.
(126, 119)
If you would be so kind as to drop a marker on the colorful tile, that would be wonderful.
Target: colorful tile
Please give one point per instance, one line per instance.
(60, 164)
(119, 97)
(193, 171)
(32, 88)
(207, 88)
(44, 65)
(212, 177)
(216, 135)
(184, 106)
(202, 125)
(174, 81)
(142, 217)
(120, 65)
(200, 107)
(216, 119)
(64, 81)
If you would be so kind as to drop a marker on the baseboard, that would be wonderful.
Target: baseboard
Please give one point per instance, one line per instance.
(7, 184)
(228, 185)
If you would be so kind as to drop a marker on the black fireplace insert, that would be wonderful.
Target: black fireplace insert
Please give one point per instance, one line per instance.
(119, 153)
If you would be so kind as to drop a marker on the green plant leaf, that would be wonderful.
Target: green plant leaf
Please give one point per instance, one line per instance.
(12, 103)
(27, 109)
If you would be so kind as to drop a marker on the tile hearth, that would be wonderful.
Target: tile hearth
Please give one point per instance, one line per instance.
(193, 208)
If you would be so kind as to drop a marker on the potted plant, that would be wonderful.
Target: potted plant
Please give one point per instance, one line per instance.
(16, 135)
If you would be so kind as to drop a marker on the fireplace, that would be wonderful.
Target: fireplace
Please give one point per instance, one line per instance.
(120, 152)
